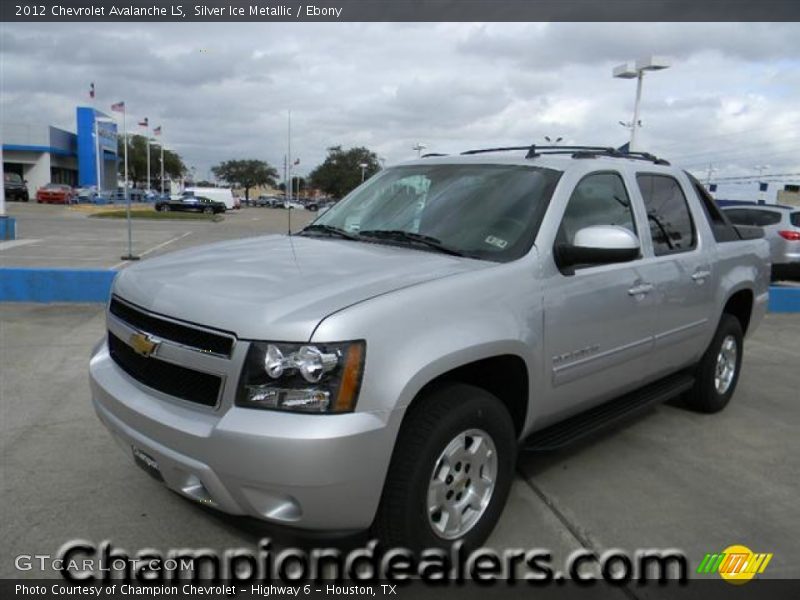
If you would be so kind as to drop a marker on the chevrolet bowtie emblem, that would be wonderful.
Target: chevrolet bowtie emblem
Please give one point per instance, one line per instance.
(143, 344)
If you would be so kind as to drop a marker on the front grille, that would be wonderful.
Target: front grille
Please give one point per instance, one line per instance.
(173, 380)
(205, 341)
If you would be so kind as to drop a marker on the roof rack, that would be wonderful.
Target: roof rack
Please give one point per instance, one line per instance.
(534, 151)
(432, 155)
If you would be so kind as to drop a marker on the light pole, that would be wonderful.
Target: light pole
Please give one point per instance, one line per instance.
(762, 194)
(419, 147)
(363, 170)
(555, 142)
(631, 70)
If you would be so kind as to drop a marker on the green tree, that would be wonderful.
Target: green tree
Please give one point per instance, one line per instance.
(246, 174)
(341, 171)
(137, 162)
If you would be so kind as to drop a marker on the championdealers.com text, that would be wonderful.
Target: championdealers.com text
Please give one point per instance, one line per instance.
(90, 564)
(178, 11)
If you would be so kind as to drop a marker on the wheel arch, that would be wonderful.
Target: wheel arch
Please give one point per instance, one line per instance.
(505, 376)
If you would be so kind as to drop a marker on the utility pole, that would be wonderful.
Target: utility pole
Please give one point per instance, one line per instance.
(419, 147)
(711, 170)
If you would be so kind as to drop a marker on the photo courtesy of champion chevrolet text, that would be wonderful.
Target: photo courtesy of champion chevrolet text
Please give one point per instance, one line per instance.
(420, 298)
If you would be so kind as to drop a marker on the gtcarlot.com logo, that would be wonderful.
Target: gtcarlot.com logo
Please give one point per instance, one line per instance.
(736, 564)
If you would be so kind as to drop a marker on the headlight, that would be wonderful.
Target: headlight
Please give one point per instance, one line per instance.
(314, 378)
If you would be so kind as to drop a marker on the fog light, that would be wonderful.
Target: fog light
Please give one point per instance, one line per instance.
(290, 399)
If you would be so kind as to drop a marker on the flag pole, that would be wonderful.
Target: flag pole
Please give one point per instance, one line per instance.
(162, 160)
(147, 130)
(130, 255)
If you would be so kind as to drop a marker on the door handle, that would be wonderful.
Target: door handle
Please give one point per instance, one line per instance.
(641, 289)
(700, 276)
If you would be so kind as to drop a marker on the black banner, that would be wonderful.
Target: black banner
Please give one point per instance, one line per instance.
(401, 10)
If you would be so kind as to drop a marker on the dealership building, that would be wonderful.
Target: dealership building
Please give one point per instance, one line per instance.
(43, 154)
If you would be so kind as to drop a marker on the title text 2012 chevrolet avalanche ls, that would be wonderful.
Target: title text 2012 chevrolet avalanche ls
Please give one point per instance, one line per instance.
(380, 368)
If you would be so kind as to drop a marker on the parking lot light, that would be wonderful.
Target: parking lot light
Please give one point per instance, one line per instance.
(631, 70)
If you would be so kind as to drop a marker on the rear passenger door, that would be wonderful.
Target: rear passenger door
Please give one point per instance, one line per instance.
(682, 266)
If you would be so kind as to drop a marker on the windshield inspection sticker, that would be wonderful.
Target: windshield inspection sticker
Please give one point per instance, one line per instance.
(496, 241)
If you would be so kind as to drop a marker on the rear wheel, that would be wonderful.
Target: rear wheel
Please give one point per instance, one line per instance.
(164, 208)
(718, 371)
(208, 210)
(450, 473)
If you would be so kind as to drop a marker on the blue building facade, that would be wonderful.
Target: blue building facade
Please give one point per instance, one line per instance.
(97, 149)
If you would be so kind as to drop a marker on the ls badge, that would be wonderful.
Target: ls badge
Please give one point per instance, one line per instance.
(143, 344)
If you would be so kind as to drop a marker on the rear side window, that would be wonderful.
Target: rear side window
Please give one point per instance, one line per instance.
(741, 216)
(671, 225)
(795, 219)
(767, 217)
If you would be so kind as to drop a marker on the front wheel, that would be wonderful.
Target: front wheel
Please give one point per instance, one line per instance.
(718, 371)
(450, 473)
(164, 208)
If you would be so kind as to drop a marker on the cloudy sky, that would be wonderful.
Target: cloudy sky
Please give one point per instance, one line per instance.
(222, 91)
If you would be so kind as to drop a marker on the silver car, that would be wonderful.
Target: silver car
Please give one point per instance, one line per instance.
(383, 367)
(781, 226)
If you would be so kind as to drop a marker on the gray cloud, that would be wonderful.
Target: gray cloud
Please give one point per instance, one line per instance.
(223, 90)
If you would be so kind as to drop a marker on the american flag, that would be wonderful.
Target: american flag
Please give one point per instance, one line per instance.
(144, 122)
(157, 130)
(91, 90)
(118, 107)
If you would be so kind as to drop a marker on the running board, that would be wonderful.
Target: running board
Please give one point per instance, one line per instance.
(583, 424)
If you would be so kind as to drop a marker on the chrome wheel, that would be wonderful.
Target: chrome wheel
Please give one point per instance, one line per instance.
(462, 484)
(726, 365)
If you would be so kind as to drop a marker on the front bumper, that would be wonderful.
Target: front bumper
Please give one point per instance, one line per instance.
(316, 472)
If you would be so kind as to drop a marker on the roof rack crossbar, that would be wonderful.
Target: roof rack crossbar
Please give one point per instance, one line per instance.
(576, 151)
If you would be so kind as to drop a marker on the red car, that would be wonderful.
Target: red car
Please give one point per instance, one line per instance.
(55, 193)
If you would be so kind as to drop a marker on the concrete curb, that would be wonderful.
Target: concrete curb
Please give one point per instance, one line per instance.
(784, 299)
(18, 284)
(8, 229)
(22, 284)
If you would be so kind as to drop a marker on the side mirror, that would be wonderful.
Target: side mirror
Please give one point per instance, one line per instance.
(598, 245)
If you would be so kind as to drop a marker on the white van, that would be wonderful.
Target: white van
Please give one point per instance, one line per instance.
(224, 195)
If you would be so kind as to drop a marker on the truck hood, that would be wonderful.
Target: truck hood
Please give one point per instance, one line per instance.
(277, 287)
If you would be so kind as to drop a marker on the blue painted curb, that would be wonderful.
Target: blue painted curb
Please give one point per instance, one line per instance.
(784, 299)
(8, 229)
(55, 285)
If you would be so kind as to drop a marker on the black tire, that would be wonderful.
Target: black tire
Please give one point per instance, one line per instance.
(208, 210)
(706, 396)
(164, 208)
(428, 429)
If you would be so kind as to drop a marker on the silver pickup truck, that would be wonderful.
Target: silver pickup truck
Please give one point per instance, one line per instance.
(382, 367)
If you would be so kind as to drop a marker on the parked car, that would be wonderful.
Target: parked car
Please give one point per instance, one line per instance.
(198, 204)
(781, 226)
(55, 193)
(319, 205)
(86, 194)
(292, 204)
(269, 201)
(383, 367)
(15, 187)
(223, 195)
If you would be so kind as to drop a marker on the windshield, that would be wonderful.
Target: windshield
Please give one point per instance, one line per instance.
(12, 178)
(491, 212)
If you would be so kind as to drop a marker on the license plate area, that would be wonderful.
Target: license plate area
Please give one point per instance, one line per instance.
(147, 463)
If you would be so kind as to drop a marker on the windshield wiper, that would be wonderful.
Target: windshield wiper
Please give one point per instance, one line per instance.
(330, 230)
(398, 235)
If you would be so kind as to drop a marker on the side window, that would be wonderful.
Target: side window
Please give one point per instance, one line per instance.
(598, 199)
(767, 217)
(671, 225)
(740, 216)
